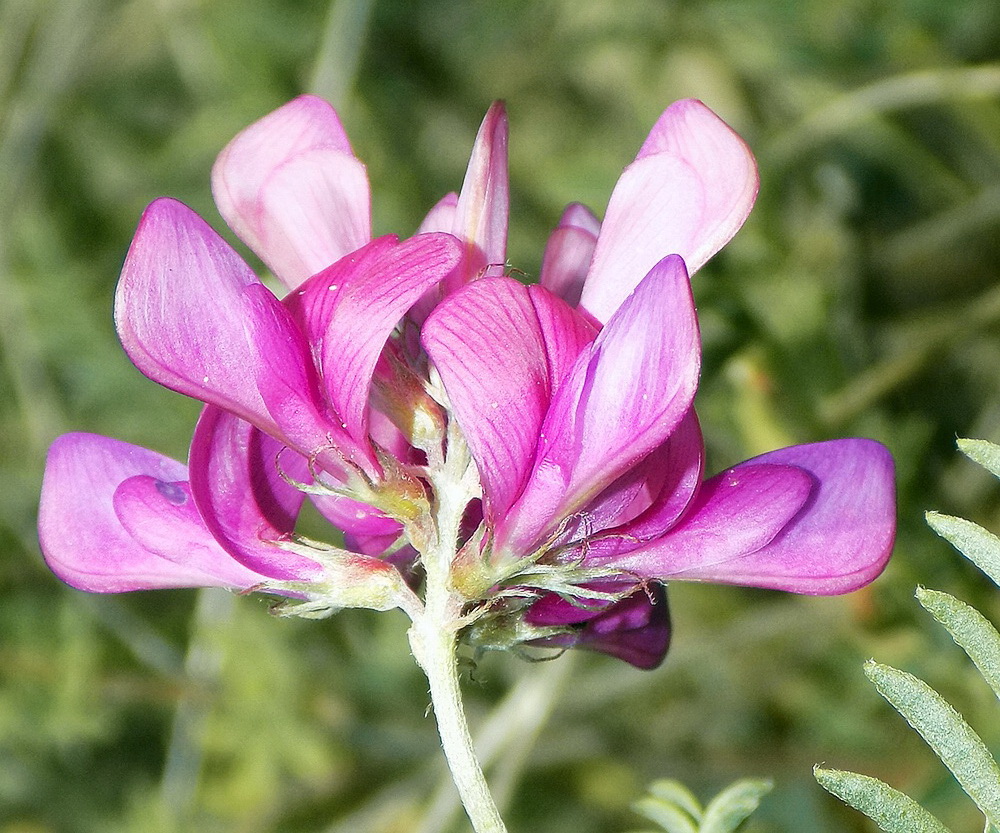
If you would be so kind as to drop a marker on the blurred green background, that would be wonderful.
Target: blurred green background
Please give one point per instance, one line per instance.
(862, 297)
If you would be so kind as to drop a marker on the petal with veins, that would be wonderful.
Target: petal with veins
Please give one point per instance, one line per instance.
(193, 317)
(487, 345)
(626, 394)
(242, 483)
(502, 349)
(840, 540)
(86, 543)
(350, 310)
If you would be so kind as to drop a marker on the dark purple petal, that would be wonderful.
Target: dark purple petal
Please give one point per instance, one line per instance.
(116, 517)
(635, 629)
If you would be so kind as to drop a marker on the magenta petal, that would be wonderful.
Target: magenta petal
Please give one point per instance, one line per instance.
(352, 308)
(568, 253)
(85, 542)
(736, 512)
(565, 333)
(839, 541)
(626, 394)
(649, 498)
(240, 478)
(193, 317)
(357, 519)
(163, 518)
(481, 214)
(487, 345)
(291, 188)
(688, 192)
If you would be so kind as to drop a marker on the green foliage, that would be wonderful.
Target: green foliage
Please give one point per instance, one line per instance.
(893, 811)
(947, 733)
(979, 545)
(970, 630)
(675, 809)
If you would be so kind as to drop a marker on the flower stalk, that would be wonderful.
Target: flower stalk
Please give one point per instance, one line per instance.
(434, 644)
(434, 637)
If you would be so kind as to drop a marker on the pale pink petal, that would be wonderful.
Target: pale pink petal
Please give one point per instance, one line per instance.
(840, 540)
(290, 187)
(85, 542)
(626, 394)
(688, 192)
(193, 317)
(568, 253)
(483, 204)
(351, 309)
(442, 216)
(242, 481)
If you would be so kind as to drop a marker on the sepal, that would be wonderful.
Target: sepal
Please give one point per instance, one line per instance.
(347, 580)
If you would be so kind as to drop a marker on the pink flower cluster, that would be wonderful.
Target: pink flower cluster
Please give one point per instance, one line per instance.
(396, 378)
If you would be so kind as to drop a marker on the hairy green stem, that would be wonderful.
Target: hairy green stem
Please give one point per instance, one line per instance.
(434, 636)
(434, 645)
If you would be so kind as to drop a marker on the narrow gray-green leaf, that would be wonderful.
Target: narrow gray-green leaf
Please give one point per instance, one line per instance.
(970, 629)
(985, 453)
(893, 811)
(946, 732)
(731, 807)
(675, 792)
(670, 817)
(979, 545)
